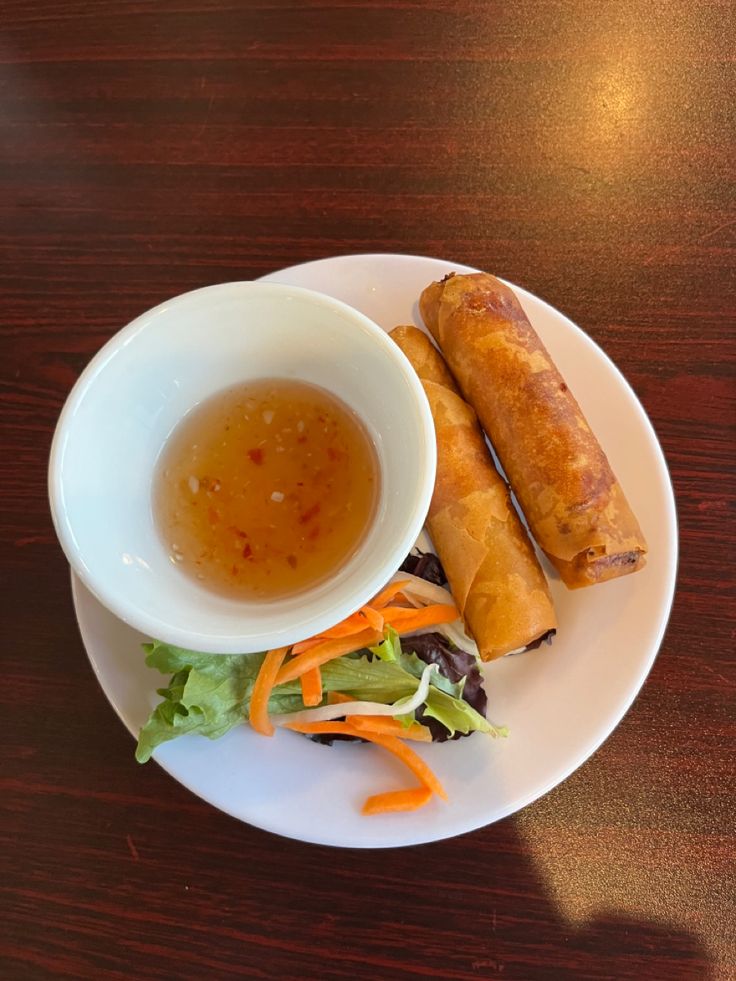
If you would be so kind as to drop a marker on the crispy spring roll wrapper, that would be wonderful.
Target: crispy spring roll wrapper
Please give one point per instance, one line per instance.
(572, 500)
(489, 561)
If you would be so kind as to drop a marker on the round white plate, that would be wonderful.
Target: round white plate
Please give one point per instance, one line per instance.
(559, 703)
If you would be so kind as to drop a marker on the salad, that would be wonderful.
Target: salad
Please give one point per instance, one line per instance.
(399, 670)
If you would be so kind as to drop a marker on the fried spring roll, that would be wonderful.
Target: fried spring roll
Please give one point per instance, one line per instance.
(574, 504)
(489, 561)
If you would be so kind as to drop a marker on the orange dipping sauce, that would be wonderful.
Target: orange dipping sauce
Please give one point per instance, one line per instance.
(266, 489)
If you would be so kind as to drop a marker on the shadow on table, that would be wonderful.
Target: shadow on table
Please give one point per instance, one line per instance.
(477, 907)
(619, 947)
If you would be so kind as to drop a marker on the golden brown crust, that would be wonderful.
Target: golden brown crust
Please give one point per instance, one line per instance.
(494, 574)
(561, 476)
(425, 358)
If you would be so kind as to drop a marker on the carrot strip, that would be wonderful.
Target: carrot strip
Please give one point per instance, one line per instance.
(311, 683)
(391, 727)
(258, 715)
(350, 625)
(426, 616)
(374, 619)
(328, 650)
(397, 800)
(407, 755)
(402, 619)
(337, 697)
(387, 593)
(305, 645)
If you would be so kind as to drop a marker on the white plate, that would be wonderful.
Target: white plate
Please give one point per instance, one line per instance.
(559, 703)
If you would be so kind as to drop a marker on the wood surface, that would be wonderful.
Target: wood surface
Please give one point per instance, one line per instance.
(583, 150)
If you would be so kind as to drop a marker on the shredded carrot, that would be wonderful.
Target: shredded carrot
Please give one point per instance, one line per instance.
(380, 723)
(311, 683)
(407, 755)
(265, 681)
(397, 800)
(328, 650)
(373, 618)
(350, 625)
(403, 620)
(354, 624)
(387, 593)
(305, 645)
(337, 697)
(391, 727)
(375, 615)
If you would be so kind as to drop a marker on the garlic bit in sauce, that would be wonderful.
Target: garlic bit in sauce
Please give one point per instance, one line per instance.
(266, 489)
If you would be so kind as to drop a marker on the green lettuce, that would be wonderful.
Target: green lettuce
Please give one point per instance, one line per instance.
(457, 715)
(415, 666)
(205, 694)
(390, 647)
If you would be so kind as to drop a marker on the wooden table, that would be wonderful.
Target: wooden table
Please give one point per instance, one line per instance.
(581, 149)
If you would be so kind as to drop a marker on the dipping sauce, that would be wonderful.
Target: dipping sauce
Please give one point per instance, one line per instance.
(266, 489)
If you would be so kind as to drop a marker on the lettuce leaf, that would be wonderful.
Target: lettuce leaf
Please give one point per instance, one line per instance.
(390, 647)
(205, 694)
(415, 665)
(457, 715)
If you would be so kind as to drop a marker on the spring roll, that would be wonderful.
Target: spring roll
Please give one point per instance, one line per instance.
(573, 503)
(489, 561)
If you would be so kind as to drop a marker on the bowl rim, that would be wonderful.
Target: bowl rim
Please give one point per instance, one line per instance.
(244, 641)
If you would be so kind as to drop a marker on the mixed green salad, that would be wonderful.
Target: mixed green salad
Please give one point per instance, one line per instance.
(422, 685)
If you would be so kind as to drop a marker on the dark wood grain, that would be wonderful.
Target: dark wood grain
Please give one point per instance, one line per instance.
(582, 149)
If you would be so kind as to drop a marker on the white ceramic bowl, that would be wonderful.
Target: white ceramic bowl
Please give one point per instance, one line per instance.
(139, 386)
